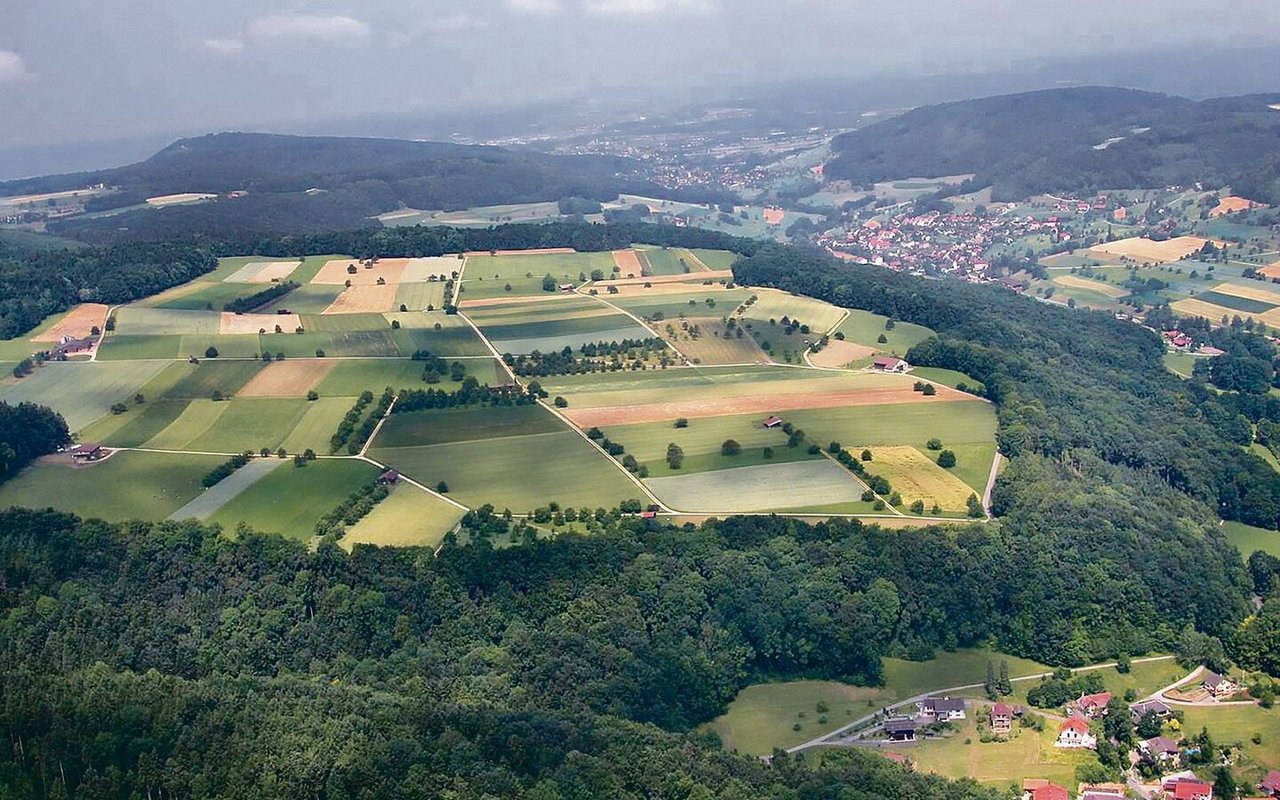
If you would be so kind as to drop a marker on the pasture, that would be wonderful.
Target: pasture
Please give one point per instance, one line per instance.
(291, 500)
(715, 343)
(684, 300)
(124, 486)
(670, 260)
(715, 259)
(81, 391)
(199, 296)
(263, 272)
(408, 517)
(773, 305)
(139, 321)
(865, 328)
(766, 487)
(1236, 726)
(231, 426)
(516, 472)
(317, 425)
(1247, 538)
(1027, 754)
(701, 442)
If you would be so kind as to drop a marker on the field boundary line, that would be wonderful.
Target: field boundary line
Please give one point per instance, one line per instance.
(639, 322)
(413, 482)
(865, 485)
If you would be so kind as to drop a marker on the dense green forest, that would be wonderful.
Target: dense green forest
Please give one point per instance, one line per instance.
(1045, 141)
(300, 183)
(28, 431)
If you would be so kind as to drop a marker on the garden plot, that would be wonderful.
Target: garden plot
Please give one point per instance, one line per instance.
(759, 488)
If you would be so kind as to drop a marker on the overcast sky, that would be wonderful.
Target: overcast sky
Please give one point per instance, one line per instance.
(89, 70)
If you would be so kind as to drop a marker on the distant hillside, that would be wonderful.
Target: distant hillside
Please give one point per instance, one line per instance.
(1052, 141)
(358, 178)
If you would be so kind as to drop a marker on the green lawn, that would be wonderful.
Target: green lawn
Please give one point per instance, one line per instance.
(1027, 754)
(715, 259)
(408, 517)
(417, 296)
(1247, 538)
(946, 377)
(1181, 363)
(291, 500)
(228, 346)
(666, 261)
(561, 266)
(767, 487)
(865, 328)
(701, 442)
(454, 338)
(135, 427)
(1236, 725)
(79, 390)
(350, 378)
(126, 485)
(517, 472)
(344, 323)
(443, 426)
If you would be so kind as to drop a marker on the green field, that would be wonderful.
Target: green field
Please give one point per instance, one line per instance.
(701, 442)
(291, 500)
(443, 426)
(1234, 303)
(224, 491)
(774, 305)
(863, 327)
(666, 261)
(954, 422)
(200, 381)
(1236, 725)
(417, 296)
(207, 297)
(516, 472)
(561, 266)
(1247, 538)
(139, 321)
(673, 305)
(126, 485)
(317, 425)
(408, 517)
(768, 487)
(233, 426)
(1181, 363)
(715, 259)
(81, 391)
(1027, 754)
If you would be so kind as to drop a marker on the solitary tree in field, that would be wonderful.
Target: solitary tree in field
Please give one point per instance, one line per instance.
(946, 459)
(730, 447)
(211, 352)
(929, 390)
(682, 422)
(442, 487)
(866, 455)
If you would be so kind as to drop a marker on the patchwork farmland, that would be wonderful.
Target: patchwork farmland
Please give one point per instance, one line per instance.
(385, 397)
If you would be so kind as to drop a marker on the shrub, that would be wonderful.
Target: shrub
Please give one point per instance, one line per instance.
(211, 352)
(934, 444)
(929, 390)
(946, 459)
(313, 395)
(866, 455)
(681, 422)
(730, 447)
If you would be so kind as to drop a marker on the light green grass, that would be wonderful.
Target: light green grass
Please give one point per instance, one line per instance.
(136, 427)
(701, 442)
(561, 266)
(769, 487)
(947, 377)
(947, 669)
(229, 346)
(117, 347)
(863, 327)
(715, 259)
(250, 423)
(343, 323)
(350, 378)
(417, 296)
(137, 321)
(671, 306)
(224, 491)
(773, 304)
(380, 343)
(1145, 678)
(1236, 725)
(208, 297)
(317, 425)
(1027, 754)
(455, 338)
(408, 517)
(200, 381)
(1248, 539)
(311, 298)
(291, 500)
(126, 485)
(955, 422)
(81, 391)
(666, 261)
(442, 426)
(1181, 363)
(487, 288)
(518, 472)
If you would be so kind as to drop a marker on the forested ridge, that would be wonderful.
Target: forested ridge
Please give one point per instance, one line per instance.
(1047, 141)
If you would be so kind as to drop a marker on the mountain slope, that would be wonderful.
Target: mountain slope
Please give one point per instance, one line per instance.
(1073, 140)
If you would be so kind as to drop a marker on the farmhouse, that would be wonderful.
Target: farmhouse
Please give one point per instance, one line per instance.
(941, 709)
(1040, 789)
(70, 344)
(1001, 719)
(1091, 706)
(390, 477)
(890, 364)
(1075, 734)
(1218, 686)
(87, 452)
(900, 729)
(1160, 750)
(567, 287)
(773, 422)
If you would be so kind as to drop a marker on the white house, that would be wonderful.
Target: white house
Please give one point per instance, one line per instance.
(1075, 734)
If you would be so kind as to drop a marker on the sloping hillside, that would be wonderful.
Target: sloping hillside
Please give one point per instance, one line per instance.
(1074, 140)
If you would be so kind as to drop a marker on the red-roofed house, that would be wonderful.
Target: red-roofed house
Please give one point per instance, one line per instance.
(1188, 789)
(1037, 789)
(1091, 705)
(1074, 733)
(891, 364)
(1271, 784)
(773, 422)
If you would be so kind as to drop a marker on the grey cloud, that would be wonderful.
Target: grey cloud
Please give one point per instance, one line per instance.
(12, 67)
(336, 28)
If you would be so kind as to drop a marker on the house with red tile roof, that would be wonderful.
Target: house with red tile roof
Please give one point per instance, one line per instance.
(1075, 734)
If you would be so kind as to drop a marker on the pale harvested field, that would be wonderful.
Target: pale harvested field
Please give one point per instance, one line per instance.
(78, 322)
(916, 477)
(545, 251)
(711, 274)
(710, 349)
(364, 299)
(391, 270)
(1076, 282)
(275, 271)
(506, 301)
(1145, 250)
(639, 289)
(1271, 270)
(421, 269)
(840, 354)
(292, 378)
(176, 199)
(1232, 204)
(1249, 292)
(774, 216)
(229, 323)
(761, 403)
(628, 263)
(1199, 308)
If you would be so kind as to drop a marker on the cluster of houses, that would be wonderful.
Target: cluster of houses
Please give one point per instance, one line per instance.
(1040, 789)
(1180, 342)
(938, 243)
(930, 711)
